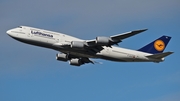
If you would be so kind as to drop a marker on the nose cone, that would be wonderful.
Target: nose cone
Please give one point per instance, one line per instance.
(8, 32)
(11, 33)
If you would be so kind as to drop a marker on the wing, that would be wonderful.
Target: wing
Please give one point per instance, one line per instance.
(113, 39)
(96, 45)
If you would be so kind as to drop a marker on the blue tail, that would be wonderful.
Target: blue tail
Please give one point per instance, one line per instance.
(156, 46)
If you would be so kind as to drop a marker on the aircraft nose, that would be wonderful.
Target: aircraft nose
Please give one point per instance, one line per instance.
(8, 32)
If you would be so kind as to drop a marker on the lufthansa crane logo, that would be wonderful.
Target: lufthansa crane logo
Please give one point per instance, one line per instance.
(159, 45)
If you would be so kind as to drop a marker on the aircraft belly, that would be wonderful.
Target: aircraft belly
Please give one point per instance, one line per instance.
(82, 54)
(78, 53)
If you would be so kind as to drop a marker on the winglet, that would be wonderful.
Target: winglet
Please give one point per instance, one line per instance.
(142, 30)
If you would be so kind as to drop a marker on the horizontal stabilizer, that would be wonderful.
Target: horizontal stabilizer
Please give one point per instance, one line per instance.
(159, 55)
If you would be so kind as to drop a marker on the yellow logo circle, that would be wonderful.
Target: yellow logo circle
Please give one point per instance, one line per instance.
(159, 45)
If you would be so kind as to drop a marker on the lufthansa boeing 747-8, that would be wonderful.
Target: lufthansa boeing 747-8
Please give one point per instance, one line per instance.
(79, 52)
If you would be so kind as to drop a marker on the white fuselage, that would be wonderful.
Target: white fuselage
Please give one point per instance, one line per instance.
(49, 39)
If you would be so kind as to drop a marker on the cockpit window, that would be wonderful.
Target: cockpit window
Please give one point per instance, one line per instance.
(20, 26)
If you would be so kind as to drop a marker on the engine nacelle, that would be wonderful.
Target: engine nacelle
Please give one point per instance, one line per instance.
(77, 44)
(103, 40)
(62, 57)
(75, 62)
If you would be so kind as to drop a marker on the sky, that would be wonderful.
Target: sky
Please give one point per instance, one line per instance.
(31, 73)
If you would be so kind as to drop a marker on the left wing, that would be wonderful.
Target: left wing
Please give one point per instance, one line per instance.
(108, 41)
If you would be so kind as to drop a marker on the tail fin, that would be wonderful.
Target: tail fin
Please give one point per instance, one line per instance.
(156, 46)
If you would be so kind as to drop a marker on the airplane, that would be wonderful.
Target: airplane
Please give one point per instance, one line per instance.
(79, 52)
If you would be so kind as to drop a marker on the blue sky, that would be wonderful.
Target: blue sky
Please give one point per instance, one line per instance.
(30, 73)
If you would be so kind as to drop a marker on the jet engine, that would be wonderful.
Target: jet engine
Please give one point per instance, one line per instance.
(76, 62)
(62, 57)
(77, 44)
(103, 40)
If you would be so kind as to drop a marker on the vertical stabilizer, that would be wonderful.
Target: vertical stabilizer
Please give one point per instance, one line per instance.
(156, 46)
